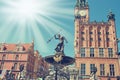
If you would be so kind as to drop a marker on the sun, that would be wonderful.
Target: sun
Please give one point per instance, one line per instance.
(38, 20)
(26, 8)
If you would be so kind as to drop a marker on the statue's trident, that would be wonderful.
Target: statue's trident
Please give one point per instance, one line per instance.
(53, 36)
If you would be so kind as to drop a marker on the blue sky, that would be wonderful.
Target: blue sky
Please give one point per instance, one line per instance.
(38, 20)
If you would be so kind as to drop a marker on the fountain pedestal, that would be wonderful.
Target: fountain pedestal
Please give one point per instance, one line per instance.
(59, 60)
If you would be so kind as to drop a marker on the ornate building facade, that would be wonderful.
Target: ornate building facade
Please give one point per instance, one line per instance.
(14, 55)
(95, 44)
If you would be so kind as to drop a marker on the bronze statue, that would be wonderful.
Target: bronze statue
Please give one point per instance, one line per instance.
(60, 45)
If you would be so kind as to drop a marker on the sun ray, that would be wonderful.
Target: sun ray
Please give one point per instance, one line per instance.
(35, 19)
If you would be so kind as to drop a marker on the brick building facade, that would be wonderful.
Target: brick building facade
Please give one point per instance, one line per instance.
(95, 44)
(14, 55)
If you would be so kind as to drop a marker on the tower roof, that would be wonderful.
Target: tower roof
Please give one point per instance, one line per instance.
(82, 3)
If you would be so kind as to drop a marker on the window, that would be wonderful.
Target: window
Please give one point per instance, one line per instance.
(1, 65)
(91, 52)
(91, 32)
(20, 48)
(108, 39)
(83, 69)
(102, 69)
(16, 57)
(0, 71)
(91, 39)
(82, 32)
(99, 39)
(3, 57)
(101, 52)
(107, 33)
(110, 52)
(15, 66)
(92, 67)
(99, 33)
(112, 72)
(82, 52)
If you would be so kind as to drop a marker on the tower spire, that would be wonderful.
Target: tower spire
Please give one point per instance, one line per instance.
(81, 3)
(77, 3)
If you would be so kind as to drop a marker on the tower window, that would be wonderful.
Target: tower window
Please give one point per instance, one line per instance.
(101, 52)
(107, 33)
(110, 52)
(91, 32)
(91, 39)
(99, 33)
(102, 69)
(108, 39)
(3, 57)
(112, 72)
(82, 33)
(91, 52)
(83, 70)
(82, 52)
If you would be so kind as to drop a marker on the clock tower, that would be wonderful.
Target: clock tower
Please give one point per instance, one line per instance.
(82, 11)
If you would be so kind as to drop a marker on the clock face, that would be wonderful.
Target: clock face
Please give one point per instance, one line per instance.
(82, 13)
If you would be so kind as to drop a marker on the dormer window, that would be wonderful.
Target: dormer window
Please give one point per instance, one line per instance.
(3, 48)
(20, 48)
